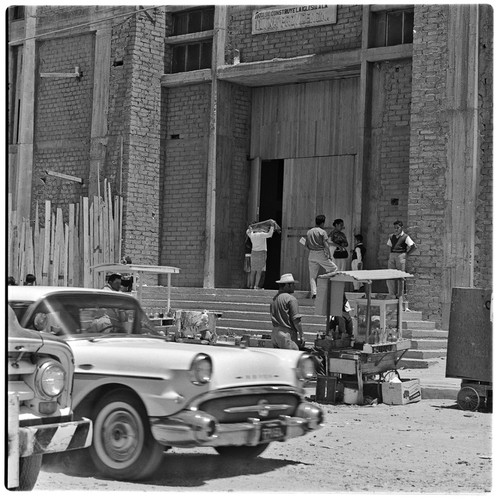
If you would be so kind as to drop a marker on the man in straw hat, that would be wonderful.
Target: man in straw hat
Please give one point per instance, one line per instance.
(285, 317)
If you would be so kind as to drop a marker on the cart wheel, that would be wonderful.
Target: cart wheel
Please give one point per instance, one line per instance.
(468, 399)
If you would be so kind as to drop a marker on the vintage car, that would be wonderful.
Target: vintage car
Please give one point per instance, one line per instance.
(40, 419)
(145, 394)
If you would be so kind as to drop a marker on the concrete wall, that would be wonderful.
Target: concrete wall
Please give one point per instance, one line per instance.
(233, 184)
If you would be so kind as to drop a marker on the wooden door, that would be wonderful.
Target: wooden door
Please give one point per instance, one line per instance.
(312, 186)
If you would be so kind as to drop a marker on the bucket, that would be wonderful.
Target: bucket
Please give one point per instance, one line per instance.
(350, 395)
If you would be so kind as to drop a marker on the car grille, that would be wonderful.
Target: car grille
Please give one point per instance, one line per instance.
(238, 408)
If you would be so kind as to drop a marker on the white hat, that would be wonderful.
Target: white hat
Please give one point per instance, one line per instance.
(286, 278)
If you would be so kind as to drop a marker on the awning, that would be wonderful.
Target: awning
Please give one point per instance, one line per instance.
(366, 275)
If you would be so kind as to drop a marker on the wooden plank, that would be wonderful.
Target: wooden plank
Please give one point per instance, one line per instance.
(46, 245)
(29, 258)
(120, 227)
(21, 253)
(86, 243)
(52, 268)
(59, 249)
(77, 252)
(37, 246)
(91, 238)
(66, 255)
(71, 246)
(10, 228)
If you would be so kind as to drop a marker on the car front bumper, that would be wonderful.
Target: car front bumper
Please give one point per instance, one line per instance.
(56, 437)
(194, 428)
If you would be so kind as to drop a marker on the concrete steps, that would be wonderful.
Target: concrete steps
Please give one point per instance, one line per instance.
(246, 311)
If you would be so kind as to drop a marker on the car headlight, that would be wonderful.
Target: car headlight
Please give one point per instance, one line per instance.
(50, 379)
(305, 368)
(201, 369)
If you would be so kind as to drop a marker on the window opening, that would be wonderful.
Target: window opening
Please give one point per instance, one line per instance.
(194, 54)
(388, 28)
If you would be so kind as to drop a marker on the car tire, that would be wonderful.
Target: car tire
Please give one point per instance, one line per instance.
(122, 444)
(241, 451)
(29, 468)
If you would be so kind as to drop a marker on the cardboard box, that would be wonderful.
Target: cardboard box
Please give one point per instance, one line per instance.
(401, 393)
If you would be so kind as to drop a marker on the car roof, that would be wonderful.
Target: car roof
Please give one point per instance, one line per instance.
(34, 293)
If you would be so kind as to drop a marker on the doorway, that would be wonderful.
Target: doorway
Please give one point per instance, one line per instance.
(270, 206)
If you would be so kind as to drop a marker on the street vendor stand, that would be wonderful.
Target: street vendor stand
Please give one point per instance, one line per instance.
(138, 272)
(369, 354)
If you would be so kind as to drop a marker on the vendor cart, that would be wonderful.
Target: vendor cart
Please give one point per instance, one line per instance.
(138, 271)
(470, 347)
(368, 354)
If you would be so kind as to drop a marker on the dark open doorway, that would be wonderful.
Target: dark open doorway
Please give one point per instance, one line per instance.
(270, 206)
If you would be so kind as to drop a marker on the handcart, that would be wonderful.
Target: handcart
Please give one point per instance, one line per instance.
(470, 347)
(365, 355)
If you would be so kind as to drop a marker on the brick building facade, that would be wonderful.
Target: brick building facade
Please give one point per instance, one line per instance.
(204, 120)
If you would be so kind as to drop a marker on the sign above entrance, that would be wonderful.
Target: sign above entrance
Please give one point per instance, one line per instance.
(293, 17)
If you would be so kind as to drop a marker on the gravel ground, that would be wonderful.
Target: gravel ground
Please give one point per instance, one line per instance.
(430, 447)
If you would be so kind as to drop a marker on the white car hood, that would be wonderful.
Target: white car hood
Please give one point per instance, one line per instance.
(156, 358)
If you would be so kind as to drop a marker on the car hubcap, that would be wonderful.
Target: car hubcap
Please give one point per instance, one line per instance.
(121, 437)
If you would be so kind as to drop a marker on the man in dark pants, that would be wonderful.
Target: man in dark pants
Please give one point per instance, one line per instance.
(287, 327)
(401, 246)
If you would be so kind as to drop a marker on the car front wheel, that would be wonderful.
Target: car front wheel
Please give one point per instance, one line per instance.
(242, 451)
(123, 446)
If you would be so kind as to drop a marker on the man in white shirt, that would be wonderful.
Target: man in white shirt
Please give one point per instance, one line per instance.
(258, 257)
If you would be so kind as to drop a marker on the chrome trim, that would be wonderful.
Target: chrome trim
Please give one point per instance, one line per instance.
(245, 390)
(197, 428)
(263, 409)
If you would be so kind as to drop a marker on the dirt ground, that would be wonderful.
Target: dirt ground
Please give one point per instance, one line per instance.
(430, 447)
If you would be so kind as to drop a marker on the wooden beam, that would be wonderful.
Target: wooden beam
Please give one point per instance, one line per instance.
(26, 119)
(64, 176)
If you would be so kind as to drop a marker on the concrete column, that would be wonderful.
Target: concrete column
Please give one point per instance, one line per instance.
(217, 59)
(99, 129)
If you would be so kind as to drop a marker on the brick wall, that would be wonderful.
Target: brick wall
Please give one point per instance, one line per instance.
(440, 262)
(386, 174)
(63, 119)
(344, 35)
(141, 174)
(428, 155)
(183, 204)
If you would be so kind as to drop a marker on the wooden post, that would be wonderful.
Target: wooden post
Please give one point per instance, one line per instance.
(46, 245)
(86, 243)
(368, 288)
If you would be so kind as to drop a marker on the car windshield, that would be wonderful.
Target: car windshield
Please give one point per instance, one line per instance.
(75, 315)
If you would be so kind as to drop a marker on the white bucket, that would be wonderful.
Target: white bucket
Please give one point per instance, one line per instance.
(351, 395)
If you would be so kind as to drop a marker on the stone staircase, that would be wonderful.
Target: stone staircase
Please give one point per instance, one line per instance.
(246, 311)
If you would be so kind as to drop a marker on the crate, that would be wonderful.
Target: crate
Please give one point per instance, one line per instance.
(326, 389)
